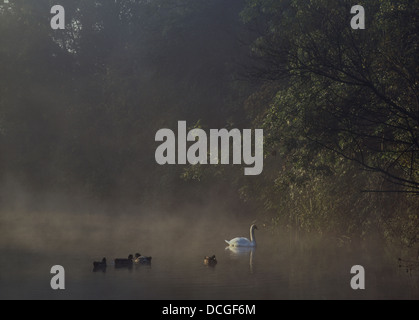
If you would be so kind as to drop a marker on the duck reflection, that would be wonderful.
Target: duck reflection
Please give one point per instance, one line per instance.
(241, 253)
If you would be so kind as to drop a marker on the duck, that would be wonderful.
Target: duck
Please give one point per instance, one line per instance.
(210, 261)
(124, 263)
(139, 259)
(99, 266)
(244, 242)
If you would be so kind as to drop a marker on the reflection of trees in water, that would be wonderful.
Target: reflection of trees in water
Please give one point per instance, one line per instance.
(242, 252)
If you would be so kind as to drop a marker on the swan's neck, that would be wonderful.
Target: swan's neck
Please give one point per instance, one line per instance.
(252, 235)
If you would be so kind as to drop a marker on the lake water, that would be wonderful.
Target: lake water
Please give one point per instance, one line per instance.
(279, 268)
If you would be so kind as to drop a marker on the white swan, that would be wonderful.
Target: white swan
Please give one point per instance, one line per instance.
(244, 242)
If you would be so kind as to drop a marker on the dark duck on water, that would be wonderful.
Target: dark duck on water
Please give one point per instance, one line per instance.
(100, 266)
(139, 259)
(124, 263)
(210, 261)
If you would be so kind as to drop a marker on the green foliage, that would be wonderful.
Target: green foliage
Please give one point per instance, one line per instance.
(340, 101)
(353, 92)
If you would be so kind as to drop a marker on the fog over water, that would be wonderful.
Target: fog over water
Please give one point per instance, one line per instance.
(285, 265)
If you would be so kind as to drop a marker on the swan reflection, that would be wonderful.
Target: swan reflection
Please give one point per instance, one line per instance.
(240, 252)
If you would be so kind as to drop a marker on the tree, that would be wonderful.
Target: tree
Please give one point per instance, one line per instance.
(349, 91)
(80, 106)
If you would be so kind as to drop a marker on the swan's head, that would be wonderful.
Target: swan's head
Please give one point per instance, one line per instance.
(254, 227)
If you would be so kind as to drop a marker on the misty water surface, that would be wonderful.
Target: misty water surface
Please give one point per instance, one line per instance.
(283, 266)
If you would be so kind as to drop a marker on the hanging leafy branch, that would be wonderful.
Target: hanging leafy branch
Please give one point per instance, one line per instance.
(352, 92)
